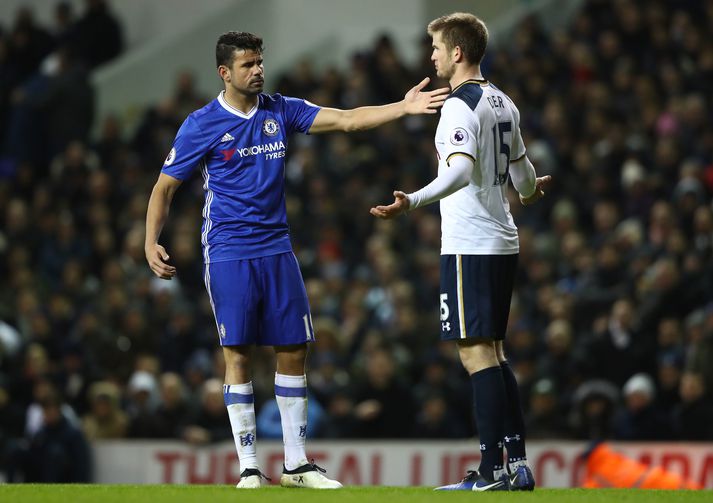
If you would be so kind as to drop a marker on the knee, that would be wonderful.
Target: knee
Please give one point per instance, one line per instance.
(291, 360)
(236, 360)
(478, 356)
(292, 353)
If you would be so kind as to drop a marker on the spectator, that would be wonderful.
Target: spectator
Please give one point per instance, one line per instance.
(594, 403)
(105, 418)
(58, 453)
(29, 43)
(383, 403)
(142, 404)
(98, 37)
(669, 377)
(693, 418)
(11, 426)
(640, 418)
(612, 353)
(209, 423)
(436, 420)
(545, 419)
(174, 410)
(700, 335)
(66, 103)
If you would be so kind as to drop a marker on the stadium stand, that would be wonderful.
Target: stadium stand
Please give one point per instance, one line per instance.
(611, 330)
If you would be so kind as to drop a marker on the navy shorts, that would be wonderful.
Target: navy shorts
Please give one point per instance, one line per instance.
(259, 301)
(475, 295)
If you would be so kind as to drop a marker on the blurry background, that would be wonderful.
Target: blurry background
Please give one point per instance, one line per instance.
(611, 326)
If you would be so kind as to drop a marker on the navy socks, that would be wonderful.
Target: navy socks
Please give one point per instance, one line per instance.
(489, 397)
(514, 435)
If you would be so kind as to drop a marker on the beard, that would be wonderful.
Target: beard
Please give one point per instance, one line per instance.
(252, 89)
(445, 71)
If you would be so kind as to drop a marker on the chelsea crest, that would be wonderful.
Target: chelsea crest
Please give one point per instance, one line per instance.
(270, 127)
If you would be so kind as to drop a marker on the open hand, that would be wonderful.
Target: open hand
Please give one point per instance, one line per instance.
(156, 256)
(400, 205)
(417, 101)
(540, 183)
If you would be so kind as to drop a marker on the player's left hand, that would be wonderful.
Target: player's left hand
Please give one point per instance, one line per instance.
(417, 101)
(400, 205)
(540, 183)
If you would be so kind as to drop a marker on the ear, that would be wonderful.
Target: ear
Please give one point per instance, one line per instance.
(224, 73)
(457, 54)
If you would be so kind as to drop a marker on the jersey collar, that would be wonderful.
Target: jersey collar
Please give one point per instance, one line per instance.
(235, 111)
(482, 82)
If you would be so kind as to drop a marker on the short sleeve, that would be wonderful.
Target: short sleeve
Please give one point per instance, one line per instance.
(298, 114)
(460, 130)
(188, 149)
(517, 150)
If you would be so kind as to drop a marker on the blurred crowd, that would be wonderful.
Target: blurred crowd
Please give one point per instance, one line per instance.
(611, 326)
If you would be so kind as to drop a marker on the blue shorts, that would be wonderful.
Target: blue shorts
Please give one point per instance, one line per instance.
(475, 295)
(259, 301)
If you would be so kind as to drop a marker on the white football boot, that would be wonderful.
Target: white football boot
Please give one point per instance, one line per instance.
(308, 475)
(251, 478)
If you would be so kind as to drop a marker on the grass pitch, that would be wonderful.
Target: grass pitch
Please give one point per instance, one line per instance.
(32, 493)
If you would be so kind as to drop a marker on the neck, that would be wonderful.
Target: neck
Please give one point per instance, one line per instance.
(464, 73)
(240, 101)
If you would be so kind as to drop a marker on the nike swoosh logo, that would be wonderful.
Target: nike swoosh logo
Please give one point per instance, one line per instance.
(497, 483)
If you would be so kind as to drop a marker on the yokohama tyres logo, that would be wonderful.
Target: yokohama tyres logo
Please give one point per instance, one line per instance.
(265, 148)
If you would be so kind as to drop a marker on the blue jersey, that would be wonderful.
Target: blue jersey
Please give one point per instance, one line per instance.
(242, 159)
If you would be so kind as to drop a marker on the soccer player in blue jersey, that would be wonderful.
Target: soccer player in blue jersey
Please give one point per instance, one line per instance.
(239, 142)
(479, 146)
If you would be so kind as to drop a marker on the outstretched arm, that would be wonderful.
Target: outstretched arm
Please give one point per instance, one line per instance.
(454, 178)
(416, 101)
(156, 215)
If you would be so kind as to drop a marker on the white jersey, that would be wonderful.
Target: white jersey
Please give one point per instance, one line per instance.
(479, 121)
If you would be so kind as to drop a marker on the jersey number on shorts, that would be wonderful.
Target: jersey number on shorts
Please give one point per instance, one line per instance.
(445, 312)
(499, 130)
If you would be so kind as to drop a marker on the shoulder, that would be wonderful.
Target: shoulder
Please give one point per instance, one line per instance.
(203, 113)
(201, 120)
(277, 101)
(271, 100)
(501, 92)
(468, 93)
(455, 109)
(510, 102)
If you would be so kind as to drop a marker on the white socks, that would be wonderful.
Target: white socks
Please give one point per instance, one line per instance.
(241, 410)
(291, 396)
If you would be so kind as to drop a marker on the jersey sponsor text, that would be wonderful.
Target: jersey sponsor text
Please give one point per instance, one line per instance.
(265, 148)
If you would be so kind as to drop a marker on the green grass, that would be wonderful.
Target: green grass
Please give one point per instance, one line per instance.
(32, 493)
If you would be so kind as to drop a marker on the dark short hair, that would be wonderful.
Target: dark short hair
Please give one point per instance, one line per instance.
(231, 41)
(463, 30)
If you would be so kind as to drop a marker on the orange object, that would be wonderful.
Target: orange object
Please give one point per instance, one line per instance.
(608, 468)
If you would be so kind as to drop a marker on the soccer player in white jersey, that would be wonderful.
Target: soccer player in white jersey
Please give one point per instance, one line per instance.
(478, 143)
(239, 142)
